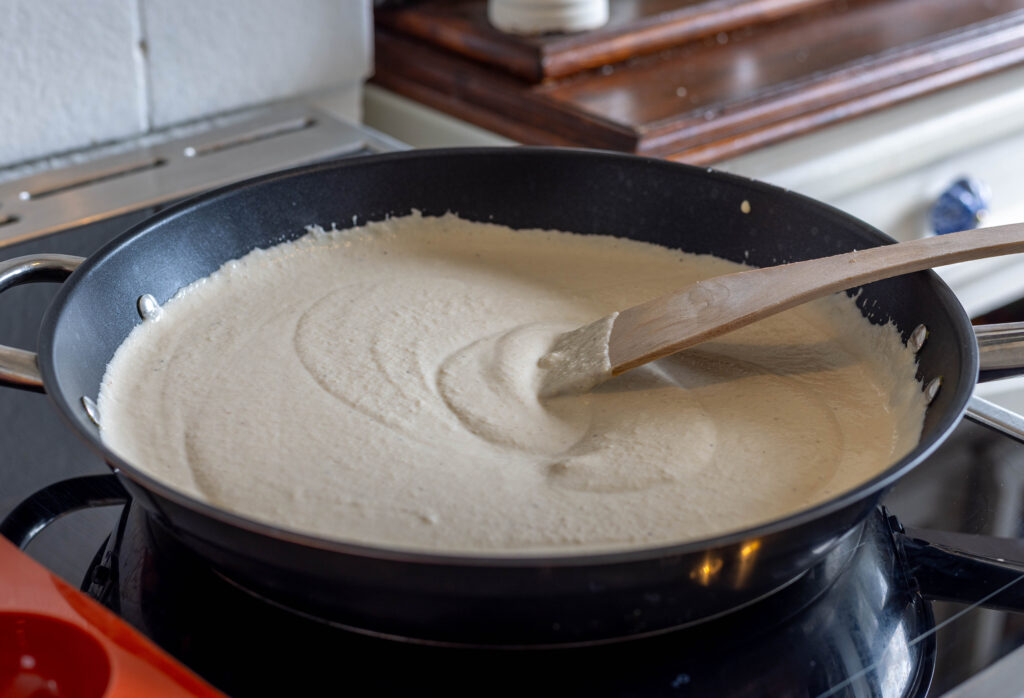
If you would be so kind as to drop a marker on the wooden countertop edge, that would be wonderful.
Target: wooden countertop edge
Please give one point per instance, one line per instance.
(893, 73)
(488, 98)
(528, 114)
(546, 58)
(717, 150)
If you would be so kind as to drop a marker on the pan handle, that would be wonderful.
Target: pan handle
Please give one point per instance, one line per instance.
(1000, 350)
(19, 368)
(47, 505)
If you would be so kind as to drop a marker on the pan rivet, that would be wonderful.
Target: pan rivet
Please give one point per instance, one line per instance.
(91, 409)
(917, 338)
(932, 389)
(148, 308)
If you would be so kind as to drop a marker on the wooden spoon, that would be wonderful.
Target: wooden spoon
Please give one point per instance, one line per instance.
(706, 309)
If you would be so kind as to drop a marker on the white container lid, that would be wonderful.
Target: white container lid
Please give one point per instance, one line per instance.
(542, 16)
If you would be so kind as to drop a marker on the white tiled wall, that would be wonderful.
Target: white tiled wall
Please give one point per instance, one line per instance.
(67, 75)
(75, 73)
(208, 56)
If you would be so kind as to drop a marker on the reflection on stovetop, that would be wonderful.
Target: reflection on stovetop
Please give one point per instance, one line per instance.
(850, 626)
(973, 484)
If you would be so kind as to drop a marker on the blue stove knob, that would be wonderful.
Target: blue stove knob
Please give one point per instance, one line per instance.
(961, 207)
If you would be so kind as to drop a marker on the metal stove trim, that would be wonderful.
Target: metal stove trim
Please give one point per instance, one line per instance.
(160, 168)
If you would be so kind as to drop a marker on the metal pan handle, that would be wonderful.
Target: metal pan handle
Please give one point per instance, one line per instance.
(18, 367)
(47, 505)
(1001, 349)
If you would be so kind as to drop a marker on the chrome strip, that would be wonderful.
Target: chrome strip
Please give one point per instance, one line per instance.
(1000, 346)
(18, 367)
(160, 168)
(992, 415)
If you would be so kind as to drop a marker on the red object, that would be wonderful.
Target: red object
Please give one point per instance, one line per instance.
(55, 641)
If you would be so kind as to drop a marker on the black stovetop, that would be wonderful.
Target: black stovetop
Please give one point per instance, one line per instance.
(866, 633)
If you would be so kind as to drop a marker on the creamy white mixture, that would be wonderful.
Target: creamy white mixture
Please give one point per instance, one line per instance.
(380, 385)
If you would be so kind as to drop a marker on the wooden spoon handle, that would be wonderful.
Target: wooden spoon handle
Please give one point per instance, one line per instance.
(706, 309)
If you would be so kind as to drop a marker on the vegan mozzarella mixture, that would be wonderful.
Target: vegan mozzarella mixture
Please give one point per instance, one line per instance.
(380, 385)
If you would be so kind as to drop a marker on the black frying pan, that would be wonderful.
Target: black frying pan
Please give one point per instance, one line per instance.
(477, 599)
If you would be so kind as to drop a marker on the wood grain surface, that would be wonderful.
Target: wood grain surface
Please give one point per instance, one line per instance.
(729, 93)
(634, 28)
(707, 309)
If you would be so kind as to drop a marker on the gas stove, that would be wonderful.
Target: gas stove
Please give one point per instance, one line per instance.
(863, 622)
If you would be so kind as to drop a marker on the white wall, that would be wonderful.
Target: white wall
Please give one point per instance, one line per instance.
(75, 73)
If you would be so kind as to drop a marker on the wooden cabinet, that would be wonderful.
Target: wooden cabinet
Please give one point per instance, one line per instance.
(817, 99)
(696, 81)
